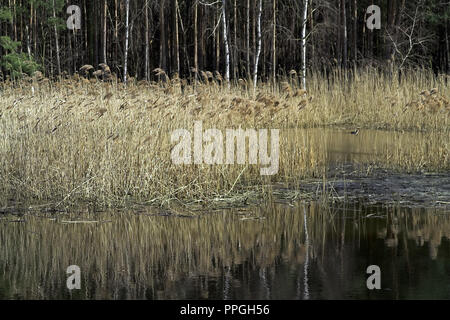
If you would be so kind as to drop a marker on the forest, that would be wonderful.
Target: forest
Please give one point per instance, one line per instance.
(229, 39)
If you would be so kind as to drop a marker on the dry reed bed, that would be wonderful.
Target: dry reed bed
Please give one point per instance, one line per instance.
(106, 144)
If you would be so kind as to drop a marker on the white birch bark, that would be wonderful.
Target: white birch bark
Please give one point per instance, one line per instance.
(225, 40)
(303, 45)
(258, 50)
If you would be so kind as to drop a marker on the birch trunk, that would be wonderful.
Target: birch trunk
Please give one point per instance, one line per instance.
(28, 42)
(303, 45)
(258, 50)
(225, 40)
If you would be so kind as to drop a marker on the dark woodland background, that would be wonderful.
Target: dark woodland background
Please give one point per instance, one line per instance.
(180, 36)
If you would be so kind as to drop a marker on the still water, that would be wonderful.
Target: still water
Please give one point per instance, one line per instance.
(272, 252)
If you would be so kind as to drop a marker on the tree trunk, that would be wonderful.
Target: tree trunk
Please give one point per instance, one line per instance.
(311, 26)
(202, 29)
(69, 43)
(147, 45)
(196, 39)
(339, 33)
(58, 59)
(391, 17)
(14, 21)
(225, 41)
(303, 43)
(86, 39)
(258, 50)
(235, 51)
(218, 41)
(28, 42)
(344, 35)
(127, 34)
(30, 33)
(35, 32)
(162, 46)
(447, 46)
(274, 44)
(186, 55)
(255, 14)
(248, 39)
(116, 32)
(105, 13)
(90, 32)
(177, 39)
(97, 16)
(355, 31)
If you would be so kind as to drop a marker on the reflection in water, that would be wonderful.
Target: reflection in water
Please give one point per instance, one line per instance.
(306, 293)
(409, 150)
(277, 252)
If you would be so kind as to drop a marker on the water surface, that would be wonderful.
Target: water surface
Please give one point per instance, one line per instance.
(274, 252)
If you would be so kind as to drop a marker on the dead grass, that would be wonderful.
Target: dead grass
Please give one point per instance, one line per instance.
(87, 141)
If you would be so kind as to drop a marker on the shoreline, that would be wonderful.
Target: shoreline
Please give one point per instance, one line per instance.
(382, 188)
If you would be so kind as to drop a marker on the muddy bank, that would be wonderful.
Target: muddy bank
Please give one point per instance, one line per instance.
(424, 190)
(342, 184)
